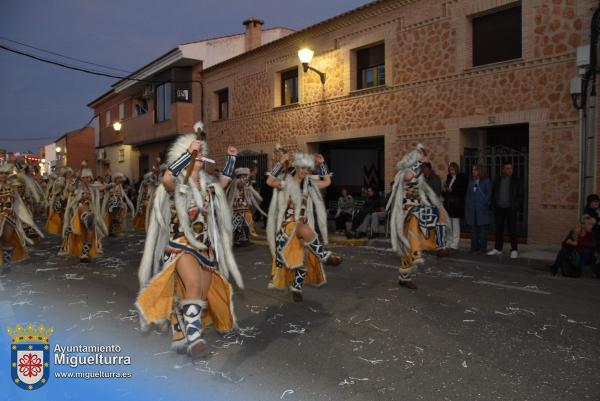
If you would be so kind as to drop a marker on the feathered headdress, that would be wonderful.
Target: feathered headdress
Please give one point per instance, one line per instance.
(242, 171)
(6, 168)
(85, 171)
(303, 160)
(411, 157)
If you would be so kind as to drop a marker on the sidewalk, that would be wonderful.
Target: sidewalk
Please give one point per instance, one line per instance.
(541, 256)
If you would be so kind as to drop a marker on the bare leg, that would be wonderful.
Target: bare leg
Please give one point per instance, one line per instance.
(311, 240)
(196, 280)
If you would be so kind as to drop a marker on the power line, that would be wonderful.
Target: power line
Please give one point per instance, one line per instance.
(70, 67)
(62, 55)
(27, 139)
(87, 71)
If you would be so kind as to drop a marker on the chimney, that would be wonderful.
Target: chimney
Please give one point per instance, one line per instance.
(253, 35)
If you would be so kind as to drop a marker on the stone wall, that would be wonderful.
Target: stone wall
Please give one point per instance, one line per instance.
(432, 92)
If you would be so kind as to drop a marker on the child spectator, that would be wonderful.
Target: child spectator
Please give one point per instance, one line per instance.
(577, 249)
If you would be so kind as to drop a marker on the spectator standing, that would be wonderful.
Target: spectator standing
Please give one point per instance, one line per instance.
(432, 179)
(478, 206)
(344, 211)
(507, 197)
(454, 191)
(577, 249)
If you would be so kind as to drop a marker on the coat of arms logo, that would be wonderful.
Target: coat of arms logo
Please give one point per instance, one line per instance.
(30, 355)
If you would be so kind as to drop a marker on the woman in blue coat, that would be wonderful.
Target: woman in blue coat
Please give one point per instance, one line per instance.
(478, 208)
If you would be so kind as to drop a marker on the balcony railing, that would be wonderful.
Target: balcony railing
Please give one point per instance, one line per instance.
(143, 129)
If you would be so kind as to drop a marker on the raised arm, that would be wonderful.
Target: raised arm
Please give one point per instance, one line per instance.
(323, 170)
(278, 167)
(170, 177)
(225, 177)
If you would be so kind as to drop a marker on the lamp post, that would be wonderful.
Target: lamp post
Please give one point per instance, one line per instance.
(305, 55)
(117, 125)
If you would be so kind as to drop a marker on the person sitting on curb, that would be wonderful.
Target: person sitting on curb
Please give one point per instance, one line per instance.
(368, 215)
(577, 249)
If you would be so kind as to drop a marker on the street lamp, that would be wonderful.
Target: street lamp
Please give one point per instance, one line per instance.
(117, 126)
(305, 55)
(58, 149)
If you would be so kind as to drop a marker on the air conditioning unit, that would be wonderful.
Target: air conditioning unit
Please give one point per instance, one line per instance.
(148, 92)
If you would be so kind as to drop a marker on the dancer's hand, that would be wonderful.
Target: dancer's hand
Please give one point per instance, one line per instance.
(285, 157)
(194, 146)
(319, 159)
(232, 151)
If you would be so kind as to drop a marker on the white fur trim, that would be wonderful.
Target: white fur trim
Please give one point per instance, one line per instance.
(303, 160)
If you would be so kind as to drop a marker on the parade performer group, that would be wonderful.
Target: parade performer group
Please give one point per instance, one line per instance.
(188, 256)
(192, 220)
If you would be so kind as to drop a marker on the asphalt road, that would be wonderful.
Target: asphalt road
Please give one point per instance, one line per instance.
(472, 331)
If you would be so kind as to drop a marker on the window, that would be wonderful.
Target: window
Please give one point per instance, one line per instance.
(121, 155)
(289, 87)
(223, 100)
(163, 102)
(107, 119)
(370, 67)
(497, 36)
(121, 111)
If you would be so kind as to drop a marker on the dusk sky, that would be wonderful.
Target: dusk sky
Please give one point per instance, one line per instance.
(40, 102)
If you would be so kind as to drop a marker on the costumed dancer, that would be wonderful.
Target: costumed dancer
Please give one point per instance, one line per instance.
(298, 255)
(31, 194)
(418, 218)
(58, 197)
(14, 217)
(187, 254)
(83, 227)
(115, 205)
(244, 200)
(145, 194)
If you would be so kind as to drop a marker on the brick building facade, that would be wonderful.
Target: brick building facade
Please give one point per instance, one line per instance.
(430, 91)
(75, 147)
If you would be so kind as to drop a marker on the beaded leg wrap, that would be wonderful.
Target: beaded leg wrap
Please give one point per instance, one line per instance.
(178, 338)
(440, 235)
(407, 266)
(299, 276)
(85, 252)
(6, 258)
(319, 250)
(192, 312)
